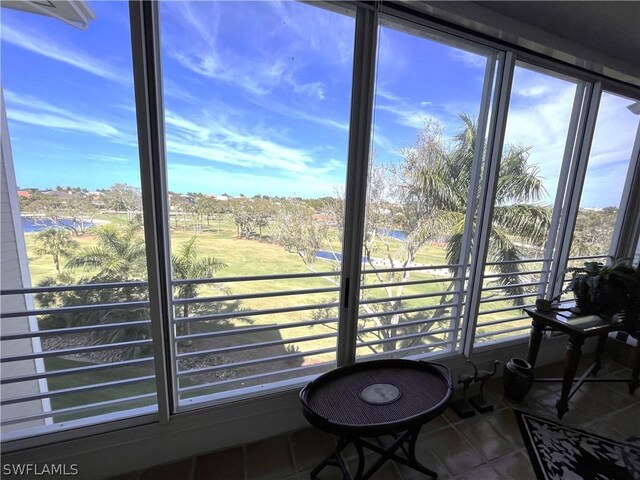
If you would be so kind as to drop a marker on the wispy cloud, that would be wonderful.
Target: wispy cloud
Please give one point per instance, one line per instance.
(407, 115)
(203, 48)
(34, 111)
(532, 91)
(299, 112)
(41, 44)
(469, 58)
(211, 179)
(224, 143)
(107, 158)
(172, 89)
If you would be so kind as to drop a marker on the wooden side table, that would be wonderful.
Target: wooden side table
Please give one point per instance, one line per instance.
(579, 328)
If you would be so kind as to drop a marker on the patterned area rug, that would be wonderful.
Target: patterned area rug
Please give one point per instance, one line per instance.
(559, 452)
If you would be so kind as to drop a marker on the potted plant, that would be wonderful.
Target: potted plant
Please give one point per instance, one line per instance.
(606, 290)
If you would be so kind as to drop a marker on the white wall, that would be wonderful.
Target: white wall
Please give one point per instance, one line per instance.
(14, 268)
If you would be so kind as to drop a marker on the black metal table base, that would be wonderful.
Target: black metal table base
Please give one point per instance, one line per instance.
(405, 441)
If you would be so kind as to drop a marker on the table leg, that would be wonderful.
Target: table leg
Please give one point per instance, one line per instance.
(534, 341)
(574, 349)
(411, 455)
(635, 373)
(334, 459)
(361, 461)
(602, 340)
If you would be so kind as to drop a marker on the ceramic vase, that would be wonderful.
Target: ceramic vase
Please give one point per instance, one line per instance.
(517, 379)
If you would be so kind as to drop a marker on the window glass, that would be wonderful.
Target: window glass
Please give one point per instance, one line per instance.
(257, 98)
(517, 270)
(615, 132)
(427, 103)
(72, 226)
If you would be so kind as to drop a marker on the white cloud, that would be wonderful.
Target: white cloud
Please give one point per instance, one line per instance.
(215, 140)
(185, 126)
(107, 158)
(209, 179)
(407, 115)
(202, 47)
(38, 43)
(532, 91)
(172, 89)
(299, 113)
(615, 132)
(539, 117)
(33, 111)
(469, 58)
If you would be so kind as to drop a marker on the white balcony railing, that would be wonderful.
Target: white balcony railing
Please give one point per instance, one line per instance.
(224, 348)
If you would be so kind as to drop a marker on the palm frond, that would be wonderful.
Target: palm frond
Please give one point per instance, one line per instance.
(528, 221)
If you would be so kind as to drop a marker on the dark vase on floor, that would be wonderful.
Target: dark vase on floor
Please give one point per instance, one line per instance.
(517, 379)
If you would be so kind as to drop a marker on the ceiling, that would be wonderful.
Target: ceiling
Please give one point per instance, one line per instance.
(601, 36)
(611, 27)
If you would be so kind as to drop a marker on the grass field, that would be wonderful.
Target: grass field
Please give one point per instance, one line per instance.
(258, 257)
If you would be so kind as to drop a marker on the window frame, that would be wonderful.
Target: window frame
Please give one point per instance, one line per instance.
(145, 44)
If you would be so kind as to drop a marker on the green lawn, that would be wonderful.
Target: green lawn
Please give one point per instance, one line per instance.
(96, 396)
(254, 258)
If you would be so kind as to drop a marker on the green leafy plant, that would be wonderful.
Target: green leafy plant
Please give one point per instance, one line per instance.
(607, 290)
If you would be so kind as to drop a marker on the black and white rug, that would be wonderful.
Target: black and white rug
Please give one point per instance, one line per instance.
(559, 452)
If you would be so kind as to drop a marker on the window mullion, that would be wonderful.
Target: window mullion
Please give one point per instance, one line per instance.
(495, 143)
(575, 183)
(475, 174)
(366, 34)
(150, 122)
(549, 278)
(627, 227)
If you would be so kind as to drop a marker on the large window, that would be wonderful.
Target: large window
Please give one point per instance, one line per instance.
(607, 169)
(428, 97)
(257, 104)
(76, 338)
(277, 140)
(531, 179)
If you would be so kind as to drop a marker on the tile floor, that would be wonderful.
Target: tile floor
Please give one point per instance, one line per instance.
(485, 446)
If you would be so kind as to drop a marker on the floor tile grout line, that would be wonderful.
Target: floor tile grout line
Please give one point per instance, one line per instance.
(192, 469)
(472, 448)
(457, 425)
(245, 462)
(292, 454)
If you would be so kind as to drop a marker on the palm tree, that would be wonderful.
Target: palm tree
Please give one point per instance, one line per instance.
(431, 190)
(442, 179)
(187, 265)
(119, 254)
(56, 242)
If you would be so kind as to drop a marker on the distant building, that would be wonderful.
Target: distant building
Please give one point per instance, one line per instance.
(64, 194)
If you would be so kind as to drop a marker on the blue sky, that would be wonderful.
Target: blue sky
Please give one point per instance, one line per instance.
(257, 99)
